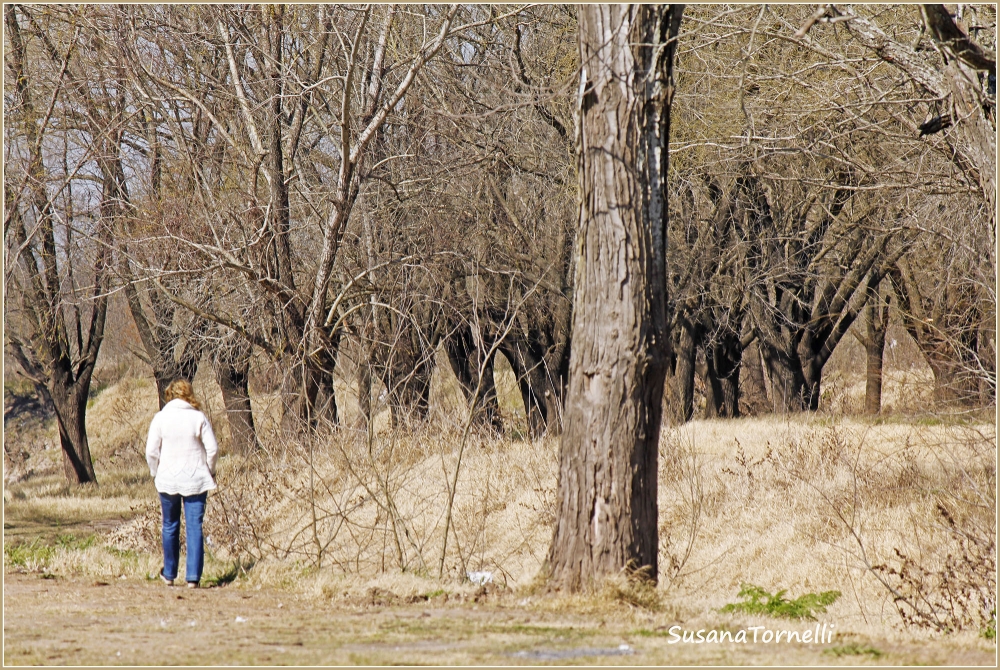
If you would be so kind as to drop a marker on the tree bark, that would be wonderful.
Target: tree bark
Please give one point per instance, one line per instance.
(876, 325)
(722, 367)
(753, 393)
(685, 350)
(466, 359)
(977, 133)
(308, 391)
(530, 381)
(788, 384)
(403, 360)
(606, 519)
(232, 372)
(977, 136)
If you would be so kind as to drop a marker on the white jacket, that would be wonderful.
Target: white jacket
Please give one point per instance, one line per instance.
(181, 450)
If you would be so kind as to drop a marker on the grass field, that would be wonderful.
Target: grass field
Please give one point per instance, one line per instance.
(895, 515)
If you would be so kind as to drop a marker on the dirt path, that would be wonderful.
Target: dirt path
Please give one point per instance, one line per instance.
(80, 621)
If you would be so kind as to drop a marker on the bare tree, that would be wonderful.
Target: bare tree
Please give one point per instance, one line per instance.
(58, 322)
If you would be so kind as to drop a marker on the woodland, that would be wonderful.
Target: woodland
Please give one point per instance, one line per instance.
(429, 264)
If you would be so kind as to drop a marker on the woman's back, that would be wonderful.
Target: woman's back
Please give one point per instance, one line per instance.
(183, 446)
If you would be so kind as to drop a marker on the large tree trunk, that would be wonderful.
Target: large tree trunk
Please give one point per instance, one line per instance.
(606, 519)
(70, 403)
(944, 323)
(977, 134)
(404, 361)
(309, 394)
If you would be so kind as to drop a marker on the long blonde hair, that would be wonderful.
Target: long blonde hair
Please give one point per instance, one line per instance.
(180, 388)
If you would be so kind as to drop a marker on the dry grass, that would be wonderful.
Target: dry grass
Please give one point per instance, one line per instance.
(805, 503)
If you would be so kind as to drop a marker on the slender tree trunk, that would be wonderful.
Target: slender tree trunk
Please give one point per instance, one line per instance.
(876, 325)
(606, 519)
(754, 388)
(364, 378)
(232, 371)
(722, 367)
(812, 377)
(685, 353)
(788, 384)
(465, 358)
(529, 382)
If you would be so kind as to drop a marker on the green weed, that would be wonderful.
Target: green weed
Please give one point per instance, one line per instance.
(990, 632)
(27, 554)
(75, 543)
(758, 601)
(37, 553)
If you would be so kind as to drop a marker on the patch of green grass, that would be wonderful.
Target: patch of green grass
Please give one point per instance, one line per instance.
(434, 594)
(27, 554)
(75, 543)
(854, 649)
(124, 554)
(38, 553)
(758, 601)
(990, 632)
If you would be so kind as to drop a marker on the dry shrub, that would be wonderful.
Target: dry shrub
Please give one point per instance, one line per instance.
(960, 594)
(243, 507)
(141, 533)
(939, 565)
(632, 590)
(946, 581)
(682, 494)
(367, 503)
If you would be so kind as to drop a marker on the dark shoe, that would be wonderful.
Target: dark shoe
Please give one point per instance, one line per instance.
(168, 582)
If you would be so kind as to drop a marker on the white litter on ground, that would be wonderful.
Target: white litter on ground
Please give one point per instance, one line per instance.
(481, 577)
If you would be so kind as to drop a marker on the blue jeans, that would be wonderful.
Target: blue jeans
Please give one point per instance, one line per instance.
(194, 514)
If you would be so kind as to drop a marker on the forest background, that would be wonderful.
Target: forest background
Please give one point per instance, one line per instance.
(354, 229)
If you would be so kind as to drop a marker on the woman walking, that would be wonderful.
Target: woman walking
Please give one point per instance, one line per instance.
(181, 452)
